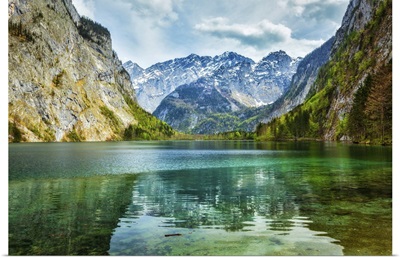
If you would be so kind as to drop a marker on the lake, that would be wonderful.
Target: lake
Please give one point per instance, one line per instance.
(200, 198)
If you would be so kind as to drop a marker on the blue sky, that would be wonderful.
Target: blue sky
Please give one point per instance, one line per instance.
(151, 31)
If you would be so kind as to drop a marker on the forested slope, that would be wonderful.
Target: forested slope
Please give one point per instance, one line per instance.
(352, 96)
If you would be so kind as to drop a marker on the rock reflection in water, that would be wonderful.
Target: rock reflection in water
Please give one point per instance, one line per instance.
(66, 216)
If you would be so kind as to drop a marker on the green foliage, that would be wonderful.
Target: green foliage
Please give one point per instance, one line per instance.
(367, 62)
(382, 10)
(57, 80)
(109, 114)
(370, 119)
(317, 109)
(357, 127)
(233, 135)
(20, 31)
(14, 132)
(46, 135)
(294, 125)
(358, 56)
(342, 129)
(217, 122)
(89, 28)
(49, 135)
(148, 127)
(74, 137)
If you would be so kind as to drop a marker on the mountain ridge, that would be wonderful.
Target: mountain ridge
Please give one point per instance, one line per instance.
(238, 80)
(191, 68)
(160, 79)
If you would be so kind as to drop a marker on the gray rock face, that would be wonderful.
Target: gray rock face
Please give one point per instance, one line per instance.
(233, 87)
(60, 81)
(133, 69)
(251, 84)
(358, 14)
(72, 11)
(302, 81)
(190, 104)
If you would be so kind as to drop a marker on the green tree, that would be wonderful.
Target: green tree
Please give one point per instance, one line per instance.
(357, 121)
(379, 103)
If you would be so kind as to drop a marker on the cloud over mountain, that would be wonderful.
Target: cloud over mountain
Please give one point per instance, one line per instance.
(257, 35)
(151, 31)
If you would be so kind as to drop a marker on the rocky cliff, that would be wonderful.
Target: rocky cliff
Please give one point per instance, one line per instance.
(351, 98)
(301, 83)
(65, 81)
(361, 60)
(358, 14)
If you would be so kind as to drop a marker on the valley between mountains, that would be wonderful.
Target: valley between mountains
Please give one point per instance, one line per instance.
(66, 83)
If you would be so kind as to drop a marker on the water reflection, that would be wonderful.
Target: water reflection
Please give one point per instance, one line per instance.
(223, 198)
(212, 204)
(66, 216)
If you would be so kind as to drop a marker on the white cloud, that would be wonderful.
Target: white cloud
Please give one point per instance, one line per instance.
(254, 40)
(150, 31)
(316, 9)
(85, 8)
(257, 35)
(158, 12)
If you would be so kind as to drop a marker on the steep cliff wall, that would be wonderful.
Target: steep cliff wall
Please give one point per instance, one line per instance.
(363, 59)
(65, 81)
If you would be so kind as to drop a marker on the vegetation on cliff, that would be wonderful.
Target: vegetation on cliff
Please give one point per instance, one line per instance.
(352, 97)
(66, 83)
(89, 29)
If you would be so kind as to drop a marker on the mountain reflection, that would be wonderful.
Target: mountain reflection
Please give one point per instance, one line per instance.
(66, 216)
(224, 211)
(217, 198)
(229, 199)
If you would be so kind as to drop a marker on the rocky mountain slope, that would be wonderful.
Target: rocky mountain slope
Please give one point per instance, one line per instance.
(301, 83)
(351, 98)
(65, 81)
(194, 89)
(264, 81)
(156, 82)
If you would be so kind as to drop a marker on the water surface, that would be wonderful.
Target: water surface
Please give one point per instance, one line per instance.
(214, 197)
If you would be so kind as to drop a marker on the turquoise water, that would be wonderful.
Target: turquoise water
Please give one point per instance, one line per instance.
(200, 198)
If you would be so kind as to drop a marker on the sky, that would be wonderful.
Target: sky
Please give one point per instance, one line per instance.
(151, 31)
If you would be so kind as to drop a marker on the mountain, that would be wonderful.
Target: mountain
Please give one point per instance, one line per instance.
(65, 81)
(300, 86)
(351, 98)
(156, 82)
(133, 69)
(194, 89)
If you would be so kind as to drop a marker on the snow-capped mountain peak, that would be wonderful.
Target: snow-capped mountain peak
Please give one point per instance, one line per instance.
(252, 83)
(133, 69)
